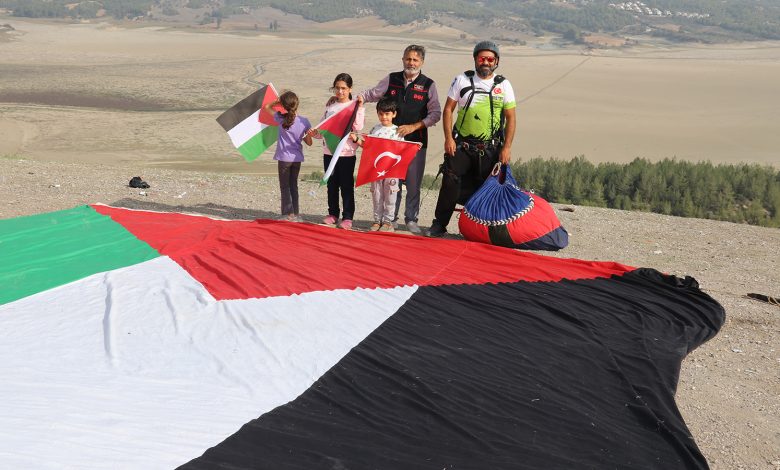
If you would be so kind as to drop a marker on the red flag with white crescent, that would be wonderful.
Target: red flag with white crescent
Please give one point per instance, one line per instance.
(385, 158)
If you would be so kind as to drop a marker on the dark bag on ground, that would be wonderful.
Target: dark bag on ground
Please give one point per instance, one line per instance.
(137, 182)
(500, 213)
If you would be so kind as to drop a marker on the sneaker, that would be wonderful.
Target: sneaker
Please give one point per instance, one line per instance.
(437, 230)
(413, 227)
(346, 224)
(387, 227)
(330, 220)
(374, 227)
(296, 218)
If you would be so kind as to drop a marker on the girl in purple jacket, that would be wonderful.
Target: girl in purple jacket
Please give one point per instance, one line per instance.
(293, 131)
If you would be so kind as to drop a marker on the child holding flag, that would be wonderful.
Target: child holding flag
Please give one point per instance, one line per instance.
(293, 130)
(384, 191)
(342, 179)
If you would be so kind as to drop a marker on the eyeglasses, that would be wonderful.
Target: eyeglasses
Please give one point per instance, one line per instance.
(487, 59)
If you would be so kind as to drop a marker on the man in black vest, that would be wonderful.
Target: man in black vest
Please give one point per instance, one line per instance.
(418, 109)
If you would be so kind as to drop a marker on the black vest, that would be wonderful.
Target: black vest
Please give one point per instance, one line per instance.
(412, 103)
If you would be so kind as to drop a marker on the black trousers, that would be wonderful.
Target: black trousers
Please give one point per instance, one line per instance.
(462, 174)
(288, 186)
(343, 180)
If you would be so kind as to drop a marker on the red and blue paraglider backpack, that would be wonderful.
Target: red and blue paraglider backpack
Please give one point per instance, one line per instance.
(500, 213)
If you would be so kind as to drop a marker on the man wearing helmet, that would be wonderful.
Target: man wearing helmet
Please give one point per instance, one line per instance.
(482, 133)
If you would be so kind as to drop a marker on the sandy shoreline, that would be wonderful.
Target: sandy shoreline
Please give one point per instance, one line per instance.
(93, 92)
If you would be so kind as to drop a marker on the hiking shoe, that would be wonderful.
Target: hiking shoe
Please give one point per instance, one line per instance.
(346, 224)
(413, 227)
(386, 227)
(437, 230)
(330, 220)
(374, 227)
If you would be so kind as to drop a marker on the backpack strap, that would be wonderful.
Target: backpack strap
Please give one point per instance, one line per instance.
(498, 79)
(463, 91)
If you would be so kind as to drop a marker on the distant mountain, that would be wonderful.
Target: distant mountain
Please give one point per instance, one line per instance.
(573, 20)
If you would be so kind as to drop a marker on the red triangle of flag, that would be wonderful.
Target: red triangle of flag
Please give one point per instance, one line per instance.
(269, 96)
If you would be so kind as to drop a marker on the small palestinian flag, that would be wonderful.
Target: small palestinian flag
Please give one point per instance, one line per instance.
(385, 158)
(335, 130)
(250, 129)
(336, 126)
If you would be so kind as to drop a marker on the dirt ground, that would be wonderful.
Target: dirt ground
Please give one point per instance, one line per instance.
(85, 107)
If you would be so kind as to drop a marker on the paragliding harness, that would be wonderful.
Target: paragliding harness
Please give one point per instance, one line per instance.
(496, 135)
(473, 147)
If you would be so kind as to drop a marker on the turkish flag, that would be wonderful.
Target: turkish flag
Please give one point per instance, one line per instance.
(385, 158)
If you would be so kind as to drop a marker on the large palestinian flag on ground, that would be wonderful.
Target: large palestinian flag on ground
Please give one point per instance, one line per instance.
(132, 339)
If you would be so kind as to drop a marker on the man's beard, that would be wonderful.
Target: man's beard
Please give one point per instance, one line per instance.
(411, 71)
(484, 71)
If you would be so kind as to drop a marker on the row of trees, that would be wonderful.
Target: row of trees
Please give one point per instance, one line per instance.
(542, 15)
(736, 193)
(84, 9)
(592, 17)
(745, 18)
(754, 17)
(36, 8)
